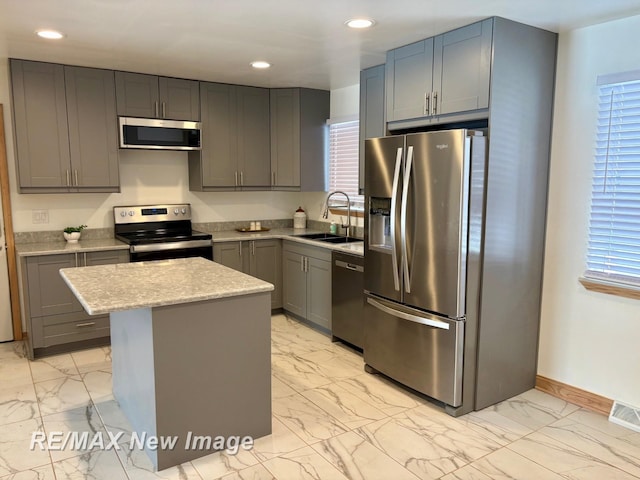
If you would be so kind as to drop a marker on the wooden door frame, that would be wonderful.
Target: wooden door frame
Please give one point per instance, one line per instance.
(14, 291)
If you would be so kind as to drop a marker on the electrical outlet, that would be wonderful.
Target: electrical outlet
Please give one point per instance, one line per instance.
(40, 216)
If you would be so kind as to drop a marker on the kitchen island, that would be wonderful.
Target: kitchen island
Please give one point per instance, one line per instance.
(190, 342)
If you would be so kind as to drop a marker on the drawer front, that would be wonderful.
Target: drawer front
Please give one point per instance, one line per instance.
(58, 329)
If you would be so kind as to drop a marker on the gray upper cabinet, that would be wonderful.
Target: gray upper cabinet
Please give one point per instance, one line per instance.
(150, 96)
(372, 114)
(235, 139)
(443, 75)
(65, 128)
(298, 139)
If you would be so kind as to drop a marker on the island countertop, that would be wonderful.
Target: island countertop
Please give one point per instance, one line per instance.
(126, 286)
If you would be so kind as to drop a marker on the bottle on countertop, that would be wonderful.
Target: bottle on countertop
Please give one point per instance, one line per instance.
(299, 219)
(333, 228)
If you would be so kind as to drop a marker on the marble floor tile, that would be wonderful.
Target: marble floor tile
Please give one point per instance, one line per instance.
(98, 384)
(257, 472)
(506, 464)
(566, 460)
(428, 442)
(499, 428)
(93, 359)
(219, 464)
(306, 419)
(297, 372)
(281, 441)
(350, 410)
(468, 472)
(12, 350)
(14, 372)
(303, 464)
(280, 389)
(37, 473)
(335, 365)
(357, 459)
(15, 452)
(95, 465)
(382, 394)
(595, 443)
(139, 467)
(50, 368)
(18, 403)
(77, 422)
(61, 394)
(602, 424)
(114, 420)
(534, 409)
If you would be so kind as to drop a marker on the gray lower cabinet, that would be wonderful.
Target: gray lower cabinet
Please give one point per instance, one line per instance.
(372, 116)
(259, 258)
(235, 151)
(150, 96)
(298, 138)
(307, 282)
(442, 75)
(55, 320)
(65, 128)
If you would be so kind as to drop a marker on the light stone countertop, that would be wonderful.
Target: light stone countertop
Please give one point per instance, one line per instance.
(126, 286)
(51, 248)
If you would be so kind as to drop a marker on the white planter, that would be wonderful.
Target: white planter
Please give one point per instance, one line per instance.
(72, 237)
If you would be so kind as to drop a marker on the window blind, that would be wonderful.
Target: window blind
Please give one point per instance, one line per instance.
(614, 230)
(343, 159)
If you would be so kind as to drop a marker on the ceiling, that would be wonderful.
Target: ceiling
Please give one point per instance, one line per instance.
(306, 41)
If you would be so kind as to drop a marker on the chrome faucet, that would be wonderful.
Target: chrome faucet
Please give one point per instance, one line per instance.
(325, 213)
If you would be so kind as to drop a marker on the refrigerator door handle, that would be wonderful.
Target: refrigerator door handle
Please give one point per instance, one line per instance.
(403, 220)
(394, 200)
(407, 316)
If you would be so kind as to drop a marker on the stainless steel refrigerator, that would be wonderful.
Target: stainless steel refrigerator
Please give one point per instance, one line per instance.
(424, 197)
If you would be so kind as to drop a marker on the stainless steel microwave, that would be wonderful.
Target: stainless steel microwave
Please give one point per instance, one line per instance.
(157, 134)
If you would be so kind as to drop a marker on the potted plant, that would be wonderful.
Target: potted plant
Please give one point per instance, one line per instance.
(72, 234)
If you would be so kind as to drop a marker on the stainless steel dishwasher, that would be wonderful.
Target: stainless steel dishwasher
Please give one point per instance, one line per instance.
(347, 298)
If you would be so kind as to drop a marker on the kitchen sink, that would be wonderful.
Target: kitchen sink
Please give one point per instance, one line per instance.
(339, 240)
(317, 236)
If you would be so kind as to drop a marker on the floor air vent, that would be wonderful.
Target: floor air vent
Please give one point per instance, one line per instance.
(625, 415)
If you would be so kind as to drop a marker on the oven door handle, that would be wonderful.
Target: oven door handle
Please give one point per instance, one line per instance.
(158, 247)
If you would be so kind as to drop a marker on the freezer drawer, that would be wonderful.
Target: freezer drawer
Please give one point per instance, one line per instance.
(420, 350)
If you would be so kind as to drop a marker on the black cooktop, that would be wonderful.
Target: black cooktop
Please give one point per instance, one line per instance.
(144, 237)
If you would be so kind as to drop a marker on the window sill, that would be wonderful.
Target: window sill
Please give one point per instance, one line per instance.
(355, 212)
(611, 288)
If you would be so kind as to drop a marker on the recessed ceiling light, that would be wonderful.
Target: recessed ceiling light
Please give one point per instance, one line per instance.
(260, 64)
(49, 34)
(359, 23)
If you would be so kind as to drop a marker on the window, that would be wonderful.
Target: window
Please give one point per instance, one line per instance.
(614, 229)
(343, 160)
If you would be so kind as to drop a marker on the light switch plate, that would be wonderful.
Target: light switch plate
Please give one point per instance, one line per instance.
(39, 216)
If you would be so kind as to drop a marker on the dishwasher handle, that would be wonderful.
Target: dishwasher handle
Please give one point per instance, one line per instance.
(349, 266)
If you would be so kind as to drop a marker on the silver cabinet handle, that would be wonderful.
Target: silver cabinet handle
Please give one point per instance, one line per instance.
(429, 322)
(236, 176)
(403, 219)
(274, 178)
(68, 179)
(301, 263)
(240, 248)
(435, 103)
(75, 175)
(241, 178)
(427, 98)
(85, 258)
(164, 110)
(394, 202)
(86, 324)
(156, 108)
(253, 248)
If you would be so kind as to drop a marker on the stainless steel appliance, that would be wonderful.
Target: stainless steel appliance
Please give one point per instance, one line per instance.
(156, 134)
(347, 299)
(159, 232)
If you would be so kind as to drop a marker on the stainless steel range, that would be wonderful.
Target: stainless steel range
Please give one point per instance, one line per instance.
(159, 232)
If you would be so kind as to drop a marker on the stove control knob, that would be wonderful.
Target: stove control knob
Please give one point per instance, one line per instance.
(131, 213)
(176, 211)
(123, 213)
(184, 211)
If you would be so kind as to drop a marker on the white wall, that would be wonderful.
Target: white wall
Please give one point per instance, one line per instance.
(588, 340)
(146, 177)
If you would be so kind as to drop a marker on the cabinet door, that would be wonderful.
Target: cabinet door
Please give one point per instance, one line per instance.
(266, 264)
(462, 68)
(47, 292)
(254, 156)
(219, 141)
(229, 254)
(294, 294)
(93, 131)
(40, 116)
(137, 95)
(107, 257)
(372, 121)
(285, 137)
(179, 99)
(319, 292)
(409, 80)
